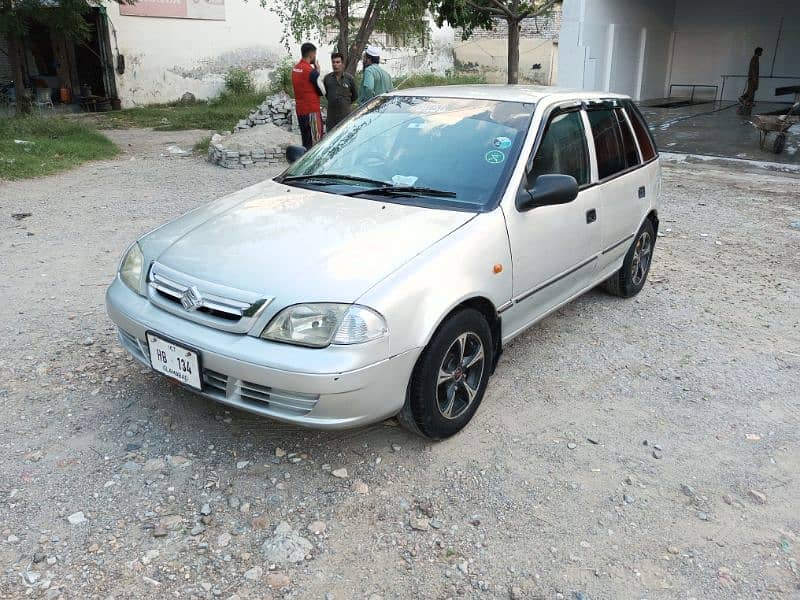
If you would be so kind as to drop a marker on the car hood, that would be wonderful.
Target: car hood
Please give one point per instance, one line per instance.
(300, 245)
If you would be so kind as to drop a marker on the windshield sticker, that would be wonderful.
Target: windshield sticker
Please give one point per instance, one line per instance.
(494, 157)
(501, 142)
(428, 108)
(406, 180)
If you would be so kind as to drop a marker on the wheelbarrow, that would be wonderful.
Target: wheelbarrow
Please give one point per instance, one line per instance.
(777, 124)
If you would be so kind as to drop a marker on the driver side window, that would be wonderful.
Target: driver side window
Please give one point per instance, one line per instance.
(563, 148)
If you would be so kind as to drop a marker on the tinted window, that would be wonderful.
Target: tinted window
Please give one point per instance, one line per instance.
(642, 134)
(563, 148)
(628, 143)
(607, 142)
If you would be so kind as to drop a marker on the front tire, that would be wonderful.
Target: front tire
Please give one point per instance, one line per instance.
(630, 279)
(450, 377)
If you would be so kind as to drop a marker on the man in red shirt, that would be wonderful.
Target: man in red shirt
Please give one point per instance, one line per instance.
(307, 92)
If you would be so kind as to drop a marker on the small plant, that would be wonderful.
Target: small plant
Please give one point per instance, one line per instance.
(280, 80)
(239, 82)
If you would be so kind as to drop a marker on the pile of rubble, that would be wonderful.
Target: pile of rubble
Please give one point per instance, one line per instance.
(260, 139)
(264, 145)
(277, 110)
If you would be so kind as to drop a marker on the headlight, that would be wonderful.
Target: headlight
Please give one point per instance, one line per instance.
(130, 270)
(319, 325)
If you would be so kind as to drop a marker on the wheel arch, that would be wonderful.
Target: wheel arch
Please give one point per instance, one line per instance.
(489, 311)
(652, 216)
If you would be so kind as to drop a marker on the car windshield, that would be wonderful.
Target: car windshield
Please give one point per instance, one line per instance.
(451, 153)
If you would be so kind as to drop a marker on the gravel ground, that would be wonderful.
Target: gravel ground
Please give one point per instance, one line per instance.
(625, 449)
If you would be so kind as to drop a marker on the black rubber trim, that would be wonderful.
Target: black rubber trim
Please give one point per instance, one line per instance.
(530, 293)
(619, 243)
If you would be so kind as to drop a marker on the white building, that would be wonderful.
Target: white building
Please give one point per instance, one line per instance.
(154, 51)
(644, 47)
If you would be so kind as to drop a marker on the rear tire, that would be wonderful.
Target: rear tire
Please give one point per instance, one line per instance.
(630, 279)
(450, 378)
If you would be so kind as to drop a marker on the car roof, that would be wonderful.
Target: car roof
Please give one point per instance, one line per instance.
(504, 92)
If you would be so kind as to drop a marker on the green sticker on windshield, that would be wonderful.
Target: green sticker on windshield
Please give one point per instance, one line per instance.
(494, 157)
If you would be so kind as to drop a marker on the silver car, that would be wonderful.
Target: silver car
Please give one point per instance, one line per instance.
(383, 272)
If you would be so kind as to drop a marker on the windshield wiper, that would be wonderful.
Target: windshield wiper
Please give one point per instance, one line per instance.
(404, 190)
(332, 178)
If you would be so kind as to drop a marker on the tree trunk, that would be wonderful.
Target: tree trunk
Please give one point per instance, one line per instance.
(513, 50)
(356, 49)
(14, 52)
(343, 19)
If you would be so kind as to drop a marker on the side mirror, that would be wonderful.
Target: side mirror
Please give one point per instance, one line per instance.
(548, 190)
(293, 153)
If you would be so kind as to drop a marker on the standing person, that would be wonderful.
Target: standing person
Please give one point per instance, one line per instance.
(307, 91)
(748, 98)
(340, 90)
(376, 80)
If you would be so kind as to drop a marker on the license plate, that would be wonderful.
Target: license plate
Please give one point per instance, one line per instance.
(174, 361)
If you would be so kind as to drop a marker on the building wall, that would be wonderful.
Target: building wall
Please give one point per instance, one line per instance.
(166, 57)
(717, 37)
(639, 47)
(615, 45)
(486, 50)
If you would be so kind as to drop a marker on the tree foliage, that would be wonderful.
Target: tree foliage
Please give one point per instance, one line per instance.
(352, 22)
(473, 14)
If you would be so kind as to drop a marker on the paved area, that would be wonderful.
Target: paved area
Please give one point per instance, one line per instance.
(715, 129)
(625, 449)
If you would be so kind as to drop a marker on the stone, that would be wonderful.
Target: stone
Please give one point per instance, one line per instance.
(223, 540)
(759, 497)
(277, 580)
(359, 487)
(254, 574)
(160, 531)
(703, 516)
(673, 550)
(154, 464)
(688, 490)
(658, 454)
(261, 522)
(464, 567)
(396, 448)
(178, 461)
(628, 499)
(317, 527)
(87, 341)
(419, 523)
(242, 464)
(131, 467)
(205, 509)
(12, 539)
(234, 502)
(188, 98)
(572, 445)
(340, 473)
(76, 518)
(197, 529)
(515, 593)
(285, 545)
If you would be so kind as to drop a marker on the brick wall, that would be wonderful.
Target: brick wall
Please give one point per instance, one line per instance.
(546, 27)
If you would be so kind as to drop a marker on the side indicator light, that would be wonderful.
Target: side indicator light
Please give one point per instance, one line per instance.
(498, 268)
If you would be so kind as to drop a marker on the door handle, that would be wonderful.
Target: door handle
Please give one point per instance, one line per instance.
(642, 192)
(591, 215)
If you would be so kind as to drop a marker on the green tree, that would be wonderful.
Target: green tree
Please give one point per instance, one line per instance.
(473, 14)
(16, 17)
(354, 22)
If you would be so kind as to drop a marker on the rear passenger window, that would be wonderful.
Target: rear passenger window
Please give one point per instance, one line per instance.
(607, 142)
(628, 143)
(642, 134)
(563, 149)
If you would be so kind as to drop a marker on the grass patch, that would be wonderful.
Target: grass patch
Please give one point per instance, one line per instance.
(201, 147)
(51, 144)
(220, 114)
(430, 80)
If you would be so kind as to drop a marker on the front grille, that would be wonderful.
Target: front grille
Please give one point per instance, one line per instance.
(222, 387)
(208, 303)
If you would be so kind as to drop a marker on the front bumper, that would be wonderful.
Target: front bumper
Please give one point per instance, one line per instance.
(329, 388)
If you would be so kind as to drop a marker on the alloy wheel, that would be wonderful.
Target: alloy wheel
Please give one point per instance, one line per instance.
(642, 253)
(460, 375)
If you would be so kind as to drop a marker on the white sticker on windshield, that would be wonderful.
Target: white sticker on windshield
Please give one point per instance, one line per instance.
(494, 157)
(501, 142)
(427, 108)
(405, 180)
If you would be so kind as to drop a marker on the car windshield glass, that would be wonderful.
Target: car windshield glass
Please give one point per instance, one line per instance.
(463, 149)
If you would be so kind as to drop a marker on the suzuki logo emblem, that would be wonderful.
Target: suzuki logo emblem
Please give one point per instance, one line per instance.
(191, 299)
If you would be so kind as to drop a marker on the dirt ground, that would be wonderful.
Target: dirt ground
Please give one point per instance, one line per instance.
(625, 449)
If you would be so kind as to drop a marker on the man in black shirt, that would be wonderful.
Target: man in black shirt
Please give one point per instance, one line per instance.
(340, 90)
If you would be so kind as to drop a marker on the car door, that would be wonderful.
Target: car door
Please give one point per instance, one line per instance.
(554, 248)
(621, 183)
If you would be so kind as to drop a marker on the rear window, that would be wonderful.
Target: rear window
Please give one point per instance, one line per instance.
(642, 134)
(607, 142)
